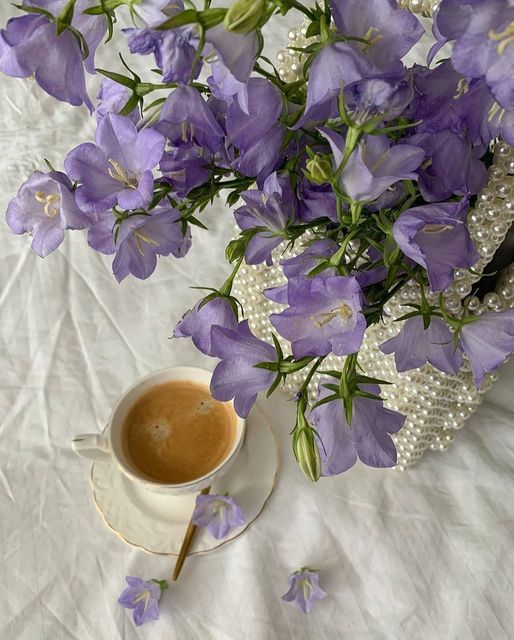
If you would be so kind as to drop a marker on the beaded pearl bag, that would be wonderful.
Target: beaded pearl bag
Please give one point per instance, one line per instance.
(436, 404)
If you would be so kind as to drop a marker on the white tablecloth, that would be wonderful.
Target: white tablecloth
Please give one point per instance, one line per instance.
(424, 555)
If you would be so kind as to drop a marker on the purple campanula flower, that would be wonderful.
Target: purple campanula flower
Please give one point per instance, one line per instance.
(236, 376)
(237, 51)
(186, 117)
(368, 438)
(374, 166)
(391, 32)
(488, 342)
(198, 322)
(118, 168)
(30, 46)
(225, 86)
(138, 239)
(273, 207)
(44, 207)
(220, 514)
(324, 316)
(186, 167)
(380, 97)
(112, 98)
(335, 66)
(263, 157)
(264, 108)
(414, 346)
(304, 589)
(155, 12)
(483, 33)
(452, 166)
(142, 596)
(174, 51)
(309, 258)
(435, 236)
(316, 201)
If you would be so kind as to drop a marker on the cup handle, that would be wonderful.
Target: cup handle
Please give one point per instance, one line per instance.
(92, 446)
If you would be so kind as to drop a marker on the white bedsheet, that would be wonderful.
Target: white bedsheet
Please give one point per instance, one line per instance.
(423, 555)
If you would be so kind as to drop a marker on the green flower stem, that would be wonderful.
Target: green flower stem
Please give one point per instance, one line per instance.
(226, 288)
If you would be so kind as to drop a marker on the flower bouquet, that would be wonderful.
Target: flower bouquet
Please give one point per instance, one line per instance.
(378, 192)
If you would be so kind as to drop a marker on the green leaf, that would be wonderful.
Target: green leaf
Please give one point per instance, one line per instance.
(184, 17)
(117, 77)
(66, 16)
(131, 104)
(326, 400)
(313, 30)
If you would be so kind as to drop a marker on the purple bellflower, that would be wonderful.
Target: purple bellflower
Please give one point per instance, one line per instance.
(30, 46)
(112, 98)
(142, 596)
(44, 207)
(198, 322)
(451, 166)
(236, 376)
(324, 315)
(368, 438)
(273, 207)
(391, 32)
(374, 166)
(220, 514)
(237, 51)
(186, 167)
(118, 168)
(138, 239)
(304, 589)
(435, 236)
(488, 341)
(414, 346)
(186, 117)
(483, 47)
(155, 12)
(225, 86)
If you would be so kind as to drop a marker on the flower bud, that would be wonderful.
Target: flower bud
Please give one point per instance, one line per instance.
(307, 454)
(244, 15)
(319, 169)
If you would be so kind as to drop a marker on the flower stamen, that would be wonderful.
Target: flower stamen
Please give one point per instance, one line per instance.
(504, 38)
(344, 311)
(128, 178)
(140, 236)
(436, 228)
(49, 200)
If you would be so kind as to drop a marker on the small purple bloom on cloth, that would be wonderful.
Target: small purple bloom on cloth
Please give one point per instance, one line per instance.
(220, 514)
(44, 207)
(304, 589)
(142, 596)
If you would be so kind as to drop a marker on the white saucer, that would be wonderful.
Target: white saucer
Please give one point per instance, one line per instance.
(157, 523)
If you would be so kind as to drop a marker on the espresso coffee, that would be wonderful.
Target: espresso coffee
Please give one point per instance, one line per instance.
(176, 432)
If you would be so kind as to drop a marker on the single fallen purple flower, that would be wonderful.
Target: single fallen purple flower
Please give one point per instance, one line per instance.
(186, 117)
(237, 51)
(174, 51)
(220, 514)
(273, 207)
(374, 166)
(44, 207)
(112, 98)
(435, 236)
(118, 168)
(236, 376)
(324, 316)
(414, 346)
(225, 86)
(30, 46)
(142, 596)
(304, 589)
(198, 322)
(452, 166)
(488, 342)
(335, 66)
(391, 32)
(368, 437)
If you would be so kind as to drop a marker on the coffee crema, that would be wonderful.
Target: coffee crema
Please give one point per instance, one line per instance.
(176, 432)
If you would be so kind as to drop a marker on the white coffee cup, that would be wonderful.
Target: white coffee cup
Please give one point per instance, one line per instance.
(107, 447)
